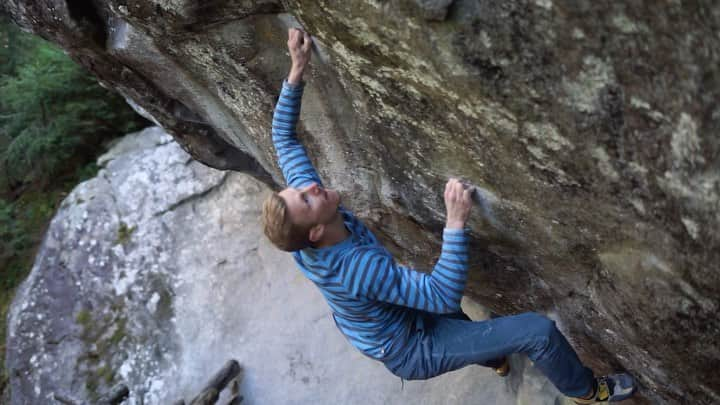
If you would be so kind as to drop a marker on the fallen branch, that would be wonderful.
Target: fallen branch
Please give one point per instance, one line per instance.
(209, 395)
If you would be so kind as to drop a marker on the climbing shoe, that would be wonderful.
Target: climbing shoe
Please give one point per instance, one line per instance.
(610, 388)
(504, 368)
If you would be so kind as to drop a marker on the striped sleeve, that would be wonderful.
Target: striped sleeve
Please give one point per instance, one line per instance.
(293, 161)
(373, 273)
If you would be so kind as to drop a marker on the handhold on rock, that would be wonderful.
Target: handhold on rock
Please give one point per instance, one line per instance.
(434, 10)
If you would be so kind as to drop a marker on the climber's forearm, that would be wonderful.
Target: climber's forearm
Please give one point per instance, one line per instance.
(295, 76)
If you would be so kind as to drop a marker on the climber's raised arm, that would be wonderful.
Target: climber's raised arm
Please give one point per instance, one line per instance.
(371, 272)
(293, 161)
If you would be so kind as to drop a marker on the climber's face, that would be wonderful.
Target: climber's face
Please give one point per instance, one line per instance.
(311, 205)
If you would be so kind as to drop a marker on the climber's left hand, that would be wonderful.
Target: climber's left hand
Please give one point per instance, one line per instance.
(300, 47)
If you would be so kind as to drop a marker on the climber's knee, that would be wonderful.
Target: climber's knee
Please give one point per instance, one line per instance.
(540, 331)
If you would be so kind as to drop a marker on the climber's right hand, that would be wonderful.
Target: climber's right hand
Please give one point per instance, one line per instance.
(458, 201)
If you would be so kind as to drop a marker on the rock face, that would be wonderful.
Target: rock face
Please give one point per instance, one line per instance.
(155, 273)
(98, 300)
(588, 127)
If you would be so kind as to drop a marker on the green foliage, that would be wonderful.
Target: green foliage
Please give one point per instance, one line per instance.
(54, 122)
(87, 172)
(12, 42)
(119, 333)
(83, 318)
(53, 110)
(106, 374)
(124, 233)
(14, 238)
(96, 333)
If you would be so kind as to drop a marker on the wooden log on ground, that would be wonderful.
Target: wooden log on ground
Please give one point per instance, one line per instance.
(235, 400)
(208, 396)
(217, 383)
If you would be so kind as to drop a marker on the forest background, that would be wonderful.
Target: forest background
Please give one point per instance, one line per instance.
(55, 119)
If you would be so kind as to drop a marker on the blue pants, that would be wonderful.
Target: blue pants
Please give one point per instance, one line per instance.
(445, 343)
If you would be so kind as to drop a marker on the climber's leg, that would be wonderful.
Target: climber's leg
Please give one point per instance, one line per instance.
(500, 365)
(443, 344)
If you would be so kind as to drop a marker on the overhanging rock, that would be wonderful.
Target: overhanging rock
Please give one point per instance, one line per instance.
(588, 127)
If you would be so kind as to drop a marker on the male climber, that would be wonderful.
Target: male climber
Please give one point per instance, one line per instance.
(409, 321)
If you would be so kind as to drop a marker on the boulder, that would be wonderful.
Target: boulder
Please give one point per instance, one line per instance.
(588, 128)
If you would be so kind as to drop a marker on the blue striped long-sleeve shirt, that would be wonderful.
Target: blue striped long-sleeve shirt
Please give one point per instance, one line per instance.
(374, 300)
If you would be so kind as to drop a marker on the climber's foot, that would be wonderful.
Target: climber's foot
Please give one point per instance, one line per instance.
(610, 388)
(504, 368)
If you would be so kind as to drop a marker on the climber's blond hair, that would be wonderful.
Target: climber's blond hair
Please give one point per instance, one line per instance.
(278, 227)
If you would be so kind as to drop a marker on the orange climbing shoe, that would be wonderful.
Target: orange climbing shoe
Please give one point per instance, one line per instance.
(504, 369)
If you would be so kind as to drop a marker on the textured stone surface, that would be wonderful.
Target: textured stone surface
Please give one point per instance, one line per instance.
(590, 128)
(98, 299)
(188, 285)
